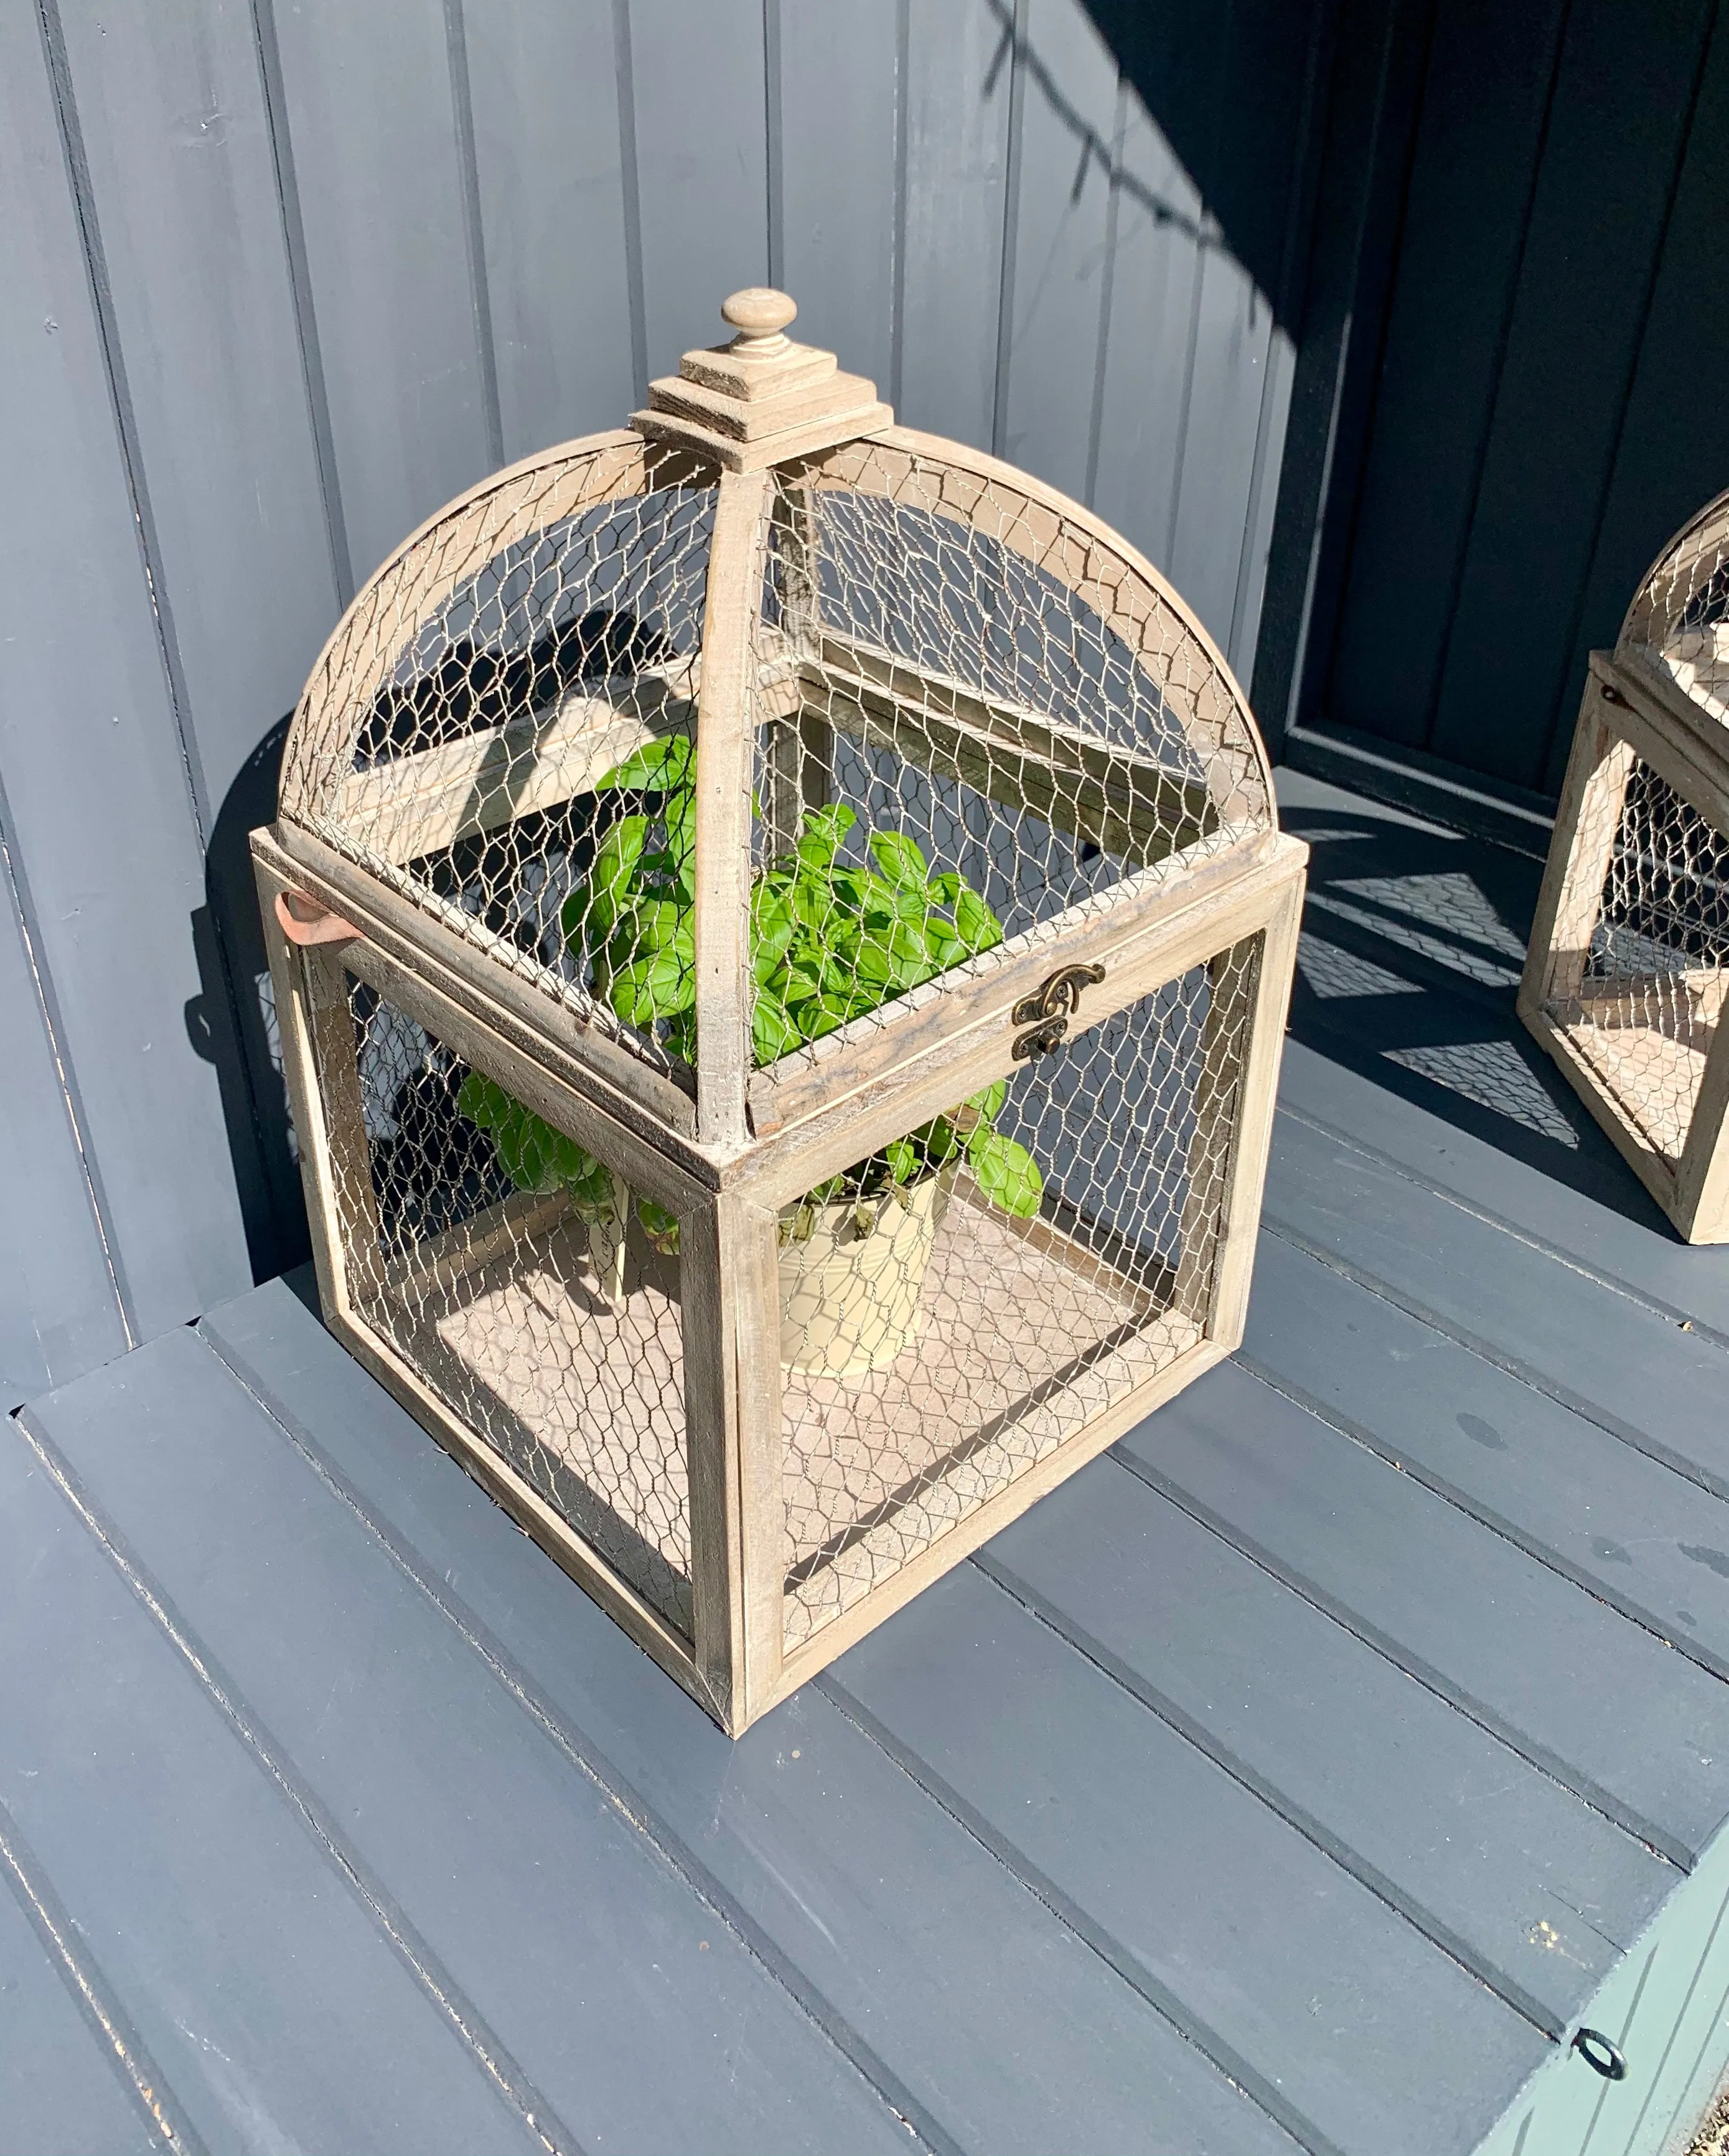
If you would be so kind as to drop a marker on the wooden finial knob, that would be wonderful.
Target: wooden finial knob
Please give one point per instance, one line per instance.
(760, 316)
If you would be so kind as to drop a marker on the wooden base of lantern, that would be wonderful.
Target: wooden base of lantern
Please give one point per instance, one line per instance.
(766, 1520)
(1639, 1038)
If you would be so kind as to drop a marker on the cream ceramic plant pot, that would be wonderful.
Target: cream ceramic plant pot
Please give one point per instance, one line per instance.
(851, 1274)
(850, 1287)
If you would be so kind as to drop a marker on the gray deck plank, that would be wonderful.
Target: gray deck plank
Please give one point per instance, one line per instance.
(1615, 1360)
(631, 2004)
(279, 2015)
(1637, 1728)
(1624, 1525)
(1516, 1876)
(1633, 1249)
(1339, 2015)
(1000, 2029)
(65, 2094)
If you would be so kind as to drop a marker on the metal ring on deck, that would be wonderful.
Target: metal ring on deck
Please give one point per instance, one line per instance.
(1602, 2056)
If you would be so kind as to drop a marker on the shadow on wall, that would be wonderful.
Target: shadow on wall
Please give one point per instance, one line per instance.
(231, 1022)
(1237, 95)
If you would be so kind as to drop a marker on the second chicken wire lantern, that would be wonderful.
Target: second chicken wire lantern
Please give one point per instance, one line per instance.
(1630, 953)
(782, 939)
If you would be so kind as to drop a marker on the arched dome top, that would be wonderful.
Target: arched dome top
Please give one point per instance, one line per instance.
(993, 673)
(1680, 616)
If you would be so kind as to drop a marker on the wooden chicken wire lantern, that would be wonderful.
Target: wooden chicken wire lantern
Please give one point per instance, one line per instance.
(1630, 953)
(781, 939)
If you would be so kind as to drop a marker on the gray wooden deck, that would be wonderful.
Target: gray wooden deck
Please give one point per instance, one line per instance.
(1299, 1775)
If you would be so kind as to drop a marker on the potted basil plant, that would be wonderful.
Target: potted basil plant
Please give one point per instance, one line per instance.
(831, 941)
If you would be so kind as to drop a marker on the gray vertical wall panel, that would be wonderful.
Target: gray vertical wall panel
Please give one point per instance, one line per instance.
(1570, 347)
(373, 129)
(1147, 346)
(92, 761)
(702, 163)
(58, 1311)
(1060, 225)
(544, 83)
(837, 90)
(1672, 450)
(172, 113)
(957, 90)
(1233, 333)
(1261, 509)
(1476, 156)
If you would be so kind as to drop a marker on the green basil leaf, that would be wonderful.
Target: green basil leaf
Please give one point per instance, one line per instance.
(906, 1160)
(657, 766)
(989, 1103)
(1008, 1173)
(485, 1103)
(900, 860)
(773, 925)
(944, 947)
(658, 925)
(977, 927)
(774, 1032)
(822, 831)
(610, 881)
(652, 988)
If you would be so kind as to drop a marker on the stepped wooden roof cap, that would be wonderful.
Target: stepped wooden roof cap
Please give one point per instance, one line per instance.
(761, 398)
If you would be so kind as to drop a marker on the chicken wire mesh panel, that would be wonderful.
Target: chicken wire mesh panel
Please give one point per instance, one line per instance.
(1652, 987)
(522, 1281)
(957, 1306)
(957, 743)
(1681, 613)
(471, 734)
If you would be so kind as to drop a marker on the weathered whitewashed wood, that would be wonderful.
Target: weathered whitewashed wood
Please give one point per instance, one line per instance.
(1251, 1140)
(726, 741)
(1120, 802)
(631, 1087)
(1568, 906)
(341, 1235)
(1642, 1038)
(641, 1351)
(937, 1026)
(416, 805)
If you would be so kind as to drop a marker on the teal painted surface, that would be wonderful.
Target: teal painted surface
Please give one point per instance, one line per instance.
(1667, 2008)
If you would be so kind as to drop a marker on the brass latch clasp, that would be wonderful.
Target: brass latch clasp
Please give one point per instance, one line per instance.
(1048, 1011)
